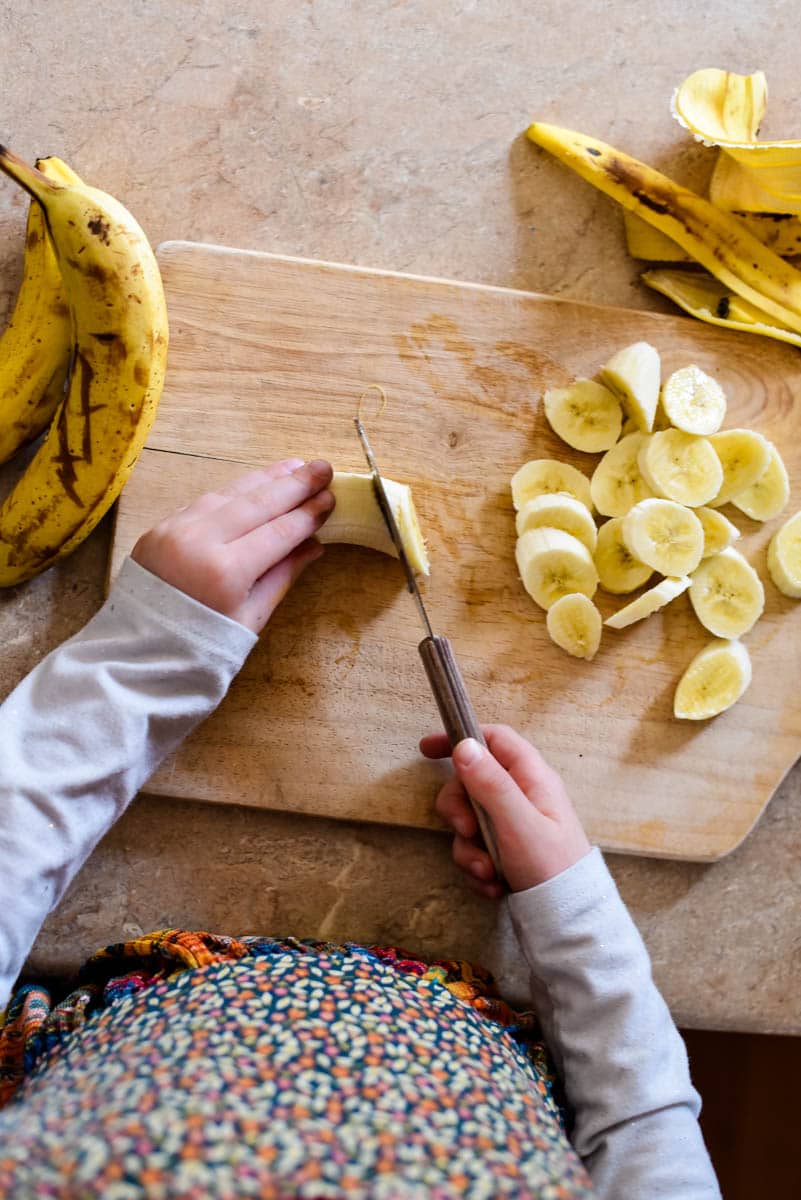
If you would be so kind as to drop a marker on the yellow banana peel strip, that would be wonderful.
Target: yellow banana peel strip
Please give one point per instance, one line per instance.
(717, 240)
(704, 297)
(721, 108)
(780, 232)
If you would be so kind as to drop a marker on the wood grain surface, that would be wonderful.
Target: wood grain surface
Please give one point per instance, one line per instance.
(268, 358)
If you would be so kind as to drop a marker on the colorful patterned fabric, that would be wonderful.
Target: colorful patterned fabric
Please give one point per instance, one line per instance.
(191, 1065)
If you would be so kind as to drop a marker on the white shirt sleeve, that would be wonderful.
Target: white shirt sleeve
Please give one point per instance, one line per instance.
(622, 1060)
(84, 730)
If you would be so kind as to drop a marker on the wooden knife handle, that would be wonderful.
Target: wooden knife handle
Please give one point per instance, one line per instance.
(458, 717)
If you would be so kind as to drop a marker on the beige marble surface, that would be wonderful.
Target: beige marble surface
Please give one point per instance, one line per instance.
(387, 134)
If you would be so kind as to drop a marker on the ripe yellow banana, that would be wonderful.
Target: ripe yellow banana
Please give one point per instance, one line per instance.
(119, 324)
(357, 519)
(715, 238)
(35, 347)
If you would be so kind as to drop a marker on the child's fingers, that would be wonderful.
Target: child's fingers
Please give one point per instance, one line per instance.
(473, 860)
(210, 501)
(490, 785)
(265, 503)
(261, 549)
(522, 760)
(268, 592)
(455, 809)
(435, 745)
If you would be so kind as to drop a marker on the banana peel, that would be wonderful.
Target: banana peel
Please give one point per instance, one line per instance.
(709, 300)
(780, 232)
(721, 108)
(717, 240)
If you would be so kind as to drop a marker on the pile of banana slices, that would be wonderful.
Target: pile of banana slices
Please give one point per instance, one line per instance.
(747, 234)
(666, 470)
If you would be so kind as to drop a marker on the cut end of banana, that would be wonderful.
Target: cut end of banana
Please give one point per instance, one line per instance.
(618, 570)
(542, 476)
(553, 564)
(574, 624)
(715, 679)
(664, 535)
(633, 375)
(357, 520)
(681, 466)
(784, 558)
(558, 510)
(649, 602)
(693, 401)
(617, 483)
(768, 497)
(745, 456)
(585, 415)
(727, 594)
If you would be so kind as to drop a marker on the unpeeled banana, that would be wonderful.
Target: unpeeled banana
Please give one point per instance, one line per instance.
(35, 347)
(357, 519)
(119, 336)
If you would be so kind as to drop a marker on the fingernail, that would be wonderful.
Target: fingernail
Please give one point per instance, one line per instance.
(295, 464)
(461, 826)
(467, 752)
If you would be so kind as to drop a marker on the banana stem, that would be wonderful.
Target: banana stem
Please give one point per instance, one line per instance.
(34, 182)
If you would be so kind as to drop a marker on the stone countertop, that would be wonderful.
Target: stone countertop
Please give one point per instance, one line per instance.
(387, 134)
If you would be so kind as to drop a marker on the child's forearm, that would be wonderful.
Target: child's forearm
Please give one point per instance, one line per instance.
(81, 734)
(622, 1059)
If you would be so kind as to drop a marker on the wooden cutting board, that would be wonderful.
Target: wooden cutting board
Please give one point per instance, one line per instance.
(268, 358)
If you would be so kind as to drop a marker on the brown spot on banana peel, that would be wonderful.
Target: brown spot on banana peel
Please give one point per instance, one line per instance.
(141, 374)
(100, 227)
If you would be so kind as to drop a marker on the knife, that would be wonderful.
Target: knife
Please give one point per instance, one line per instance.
(444, 676)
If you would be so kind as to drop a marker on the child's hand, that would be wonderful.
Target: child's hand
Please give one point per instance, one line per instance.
(536, 827)
(239, 550)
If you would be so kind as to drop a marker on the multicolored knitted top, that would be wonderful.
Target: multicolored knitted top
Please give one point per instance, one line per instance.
(187, 1065)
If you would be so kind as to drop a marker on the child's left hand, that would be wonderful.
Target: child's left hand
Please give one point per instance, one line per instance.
(240, 549)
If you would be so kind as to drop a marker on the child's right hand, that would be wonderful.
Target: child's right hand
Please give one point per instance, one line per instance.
(240, 549)
(536, 828)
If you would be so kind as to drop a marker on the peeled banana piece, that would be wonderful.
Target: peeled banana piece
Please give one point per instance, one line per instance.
(693, 401)
(585, 414)
(727, 594)
(766, 498)
(553, 564)
(632, 374)
(543, 475)
(618, 570)
(665, 536)
(649, 602)
(714, 680)
(744, 456)
(681, 466)
(617, 483)
(35, 347)
(559, 511)
(784, 558)
(719, 531)
(716, 239)
(574, 624)
(357, 519)
(711, 301)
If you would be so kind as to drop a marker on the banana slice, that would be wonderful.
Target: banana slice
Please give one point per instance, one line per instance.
(727, 594)
(664, 535)
(543, 475)
(574, 623)
(766, 498)
(559, 511)
(719, 531)
(618, 571)
(629, 426)
(715, 679)
(585, 415)
(649, 602)
(744, 456)
(617, 483)
(553, 564)
(693, 401)
(680, 466)
(633, 375)
(784, 557)
(357, 519)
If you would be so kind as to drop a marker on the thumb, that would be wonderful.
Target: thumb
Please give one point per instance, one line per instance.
(489, 784)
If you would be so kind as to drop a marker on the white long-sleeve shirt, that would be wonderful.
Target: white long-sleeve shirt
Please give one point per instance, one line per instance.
(84, 730)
